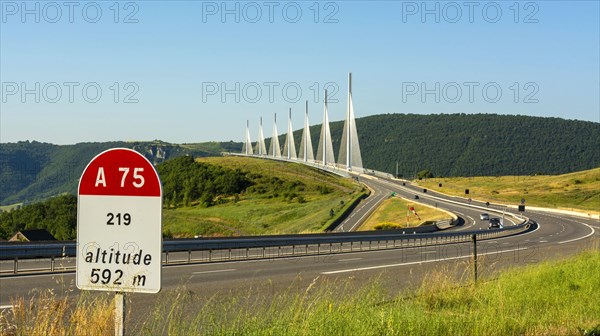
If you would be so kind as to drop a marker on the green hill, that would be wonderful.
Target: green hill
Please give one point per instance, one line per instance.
(578, 191)
(229, 196)
(32, 171)
(221, 196)
(445, 144)
(473, 145)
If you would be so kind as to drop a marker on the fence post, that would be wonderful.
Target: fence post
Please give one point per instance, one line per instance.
(189, 256)
(52, 264)
(167, 257)
(475, 256)
(16, 266)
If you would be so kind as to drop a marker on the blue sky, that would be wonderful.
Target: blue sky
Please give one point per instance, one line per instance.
(147, 70)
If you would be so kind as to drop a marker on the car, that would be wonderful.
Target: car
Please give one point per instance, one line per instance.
(484, 216)
(416, 196)
(494, 223)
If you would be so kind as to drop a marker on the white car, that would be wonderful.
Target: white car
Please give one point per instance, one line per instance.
(484, 216)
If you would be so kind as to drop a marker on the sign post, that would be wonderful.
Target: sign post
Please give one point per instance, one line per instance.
(119, 227)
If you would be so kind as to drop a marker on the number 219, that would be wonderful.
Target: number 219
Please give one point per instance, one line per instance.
(124, 219)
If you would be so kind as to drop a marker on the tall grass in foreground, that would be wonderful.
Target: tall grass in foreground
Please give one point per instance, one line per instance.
(552, 298)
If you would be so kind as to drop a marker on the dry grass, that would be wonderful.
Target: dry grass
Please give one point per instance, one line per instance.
(578, 191)
(395, 210)
(550, 298)
(47, 314)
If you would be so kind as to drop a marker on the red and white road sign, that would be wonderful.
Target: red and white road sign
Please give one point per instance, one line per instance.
(119, 224)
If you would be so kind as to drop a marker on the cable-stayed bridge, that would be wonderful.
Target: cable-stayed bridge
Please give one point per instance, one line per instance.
(349, 157)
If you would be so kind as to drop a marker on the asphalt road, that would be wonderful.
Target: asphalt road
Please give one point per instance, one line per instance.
(364, 208)
(397, 269)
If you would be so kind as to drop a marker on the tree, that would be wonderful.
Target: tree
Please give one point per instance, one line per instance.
(424, 174)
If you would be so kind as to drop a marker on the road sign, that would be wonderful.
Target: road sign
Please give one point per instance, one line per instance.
(119, 224)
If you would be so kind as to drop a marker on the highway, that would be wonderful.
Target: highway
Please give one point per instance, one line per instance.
(555, 236)
(364, 208)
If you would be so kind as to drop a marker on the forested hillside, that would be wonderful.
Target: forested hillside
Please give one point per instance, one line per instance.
(477, 145)
(58, 215)
(472, 145)
(31, 171)
(447, 145)
(217, 196)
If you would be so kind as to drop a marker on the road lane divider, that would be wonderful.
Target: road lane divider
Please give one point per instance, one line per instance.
(215, 271)
(370, 268)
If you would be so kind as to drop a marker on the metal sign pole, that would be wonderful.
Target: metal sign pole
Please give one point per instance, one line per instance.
(475, 257)
(119, 313)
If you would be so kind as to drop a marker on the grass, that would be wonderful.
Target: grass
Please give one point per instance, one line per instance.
(10, 207)
(265, 208)
(550, 298)
(395, 212)
(578, 191)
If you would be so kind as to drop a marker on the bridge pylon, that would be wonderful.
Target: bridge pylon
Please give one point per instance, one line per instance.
(274, 148)
(325, 151)
(261, 149)
(349, 146)
(289, 148)
(247, 147)
(306, 147)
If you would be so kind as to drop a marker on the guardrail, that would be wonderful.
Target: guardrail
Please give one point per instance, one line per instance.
(331, 168)
(59, 256)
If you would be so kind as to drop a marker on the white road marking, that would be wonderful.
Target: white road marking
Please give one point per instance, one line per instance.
(576, 239)
(216, 271)
(351, 259)
(6, 307)
(414, 262)
(366, 213)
